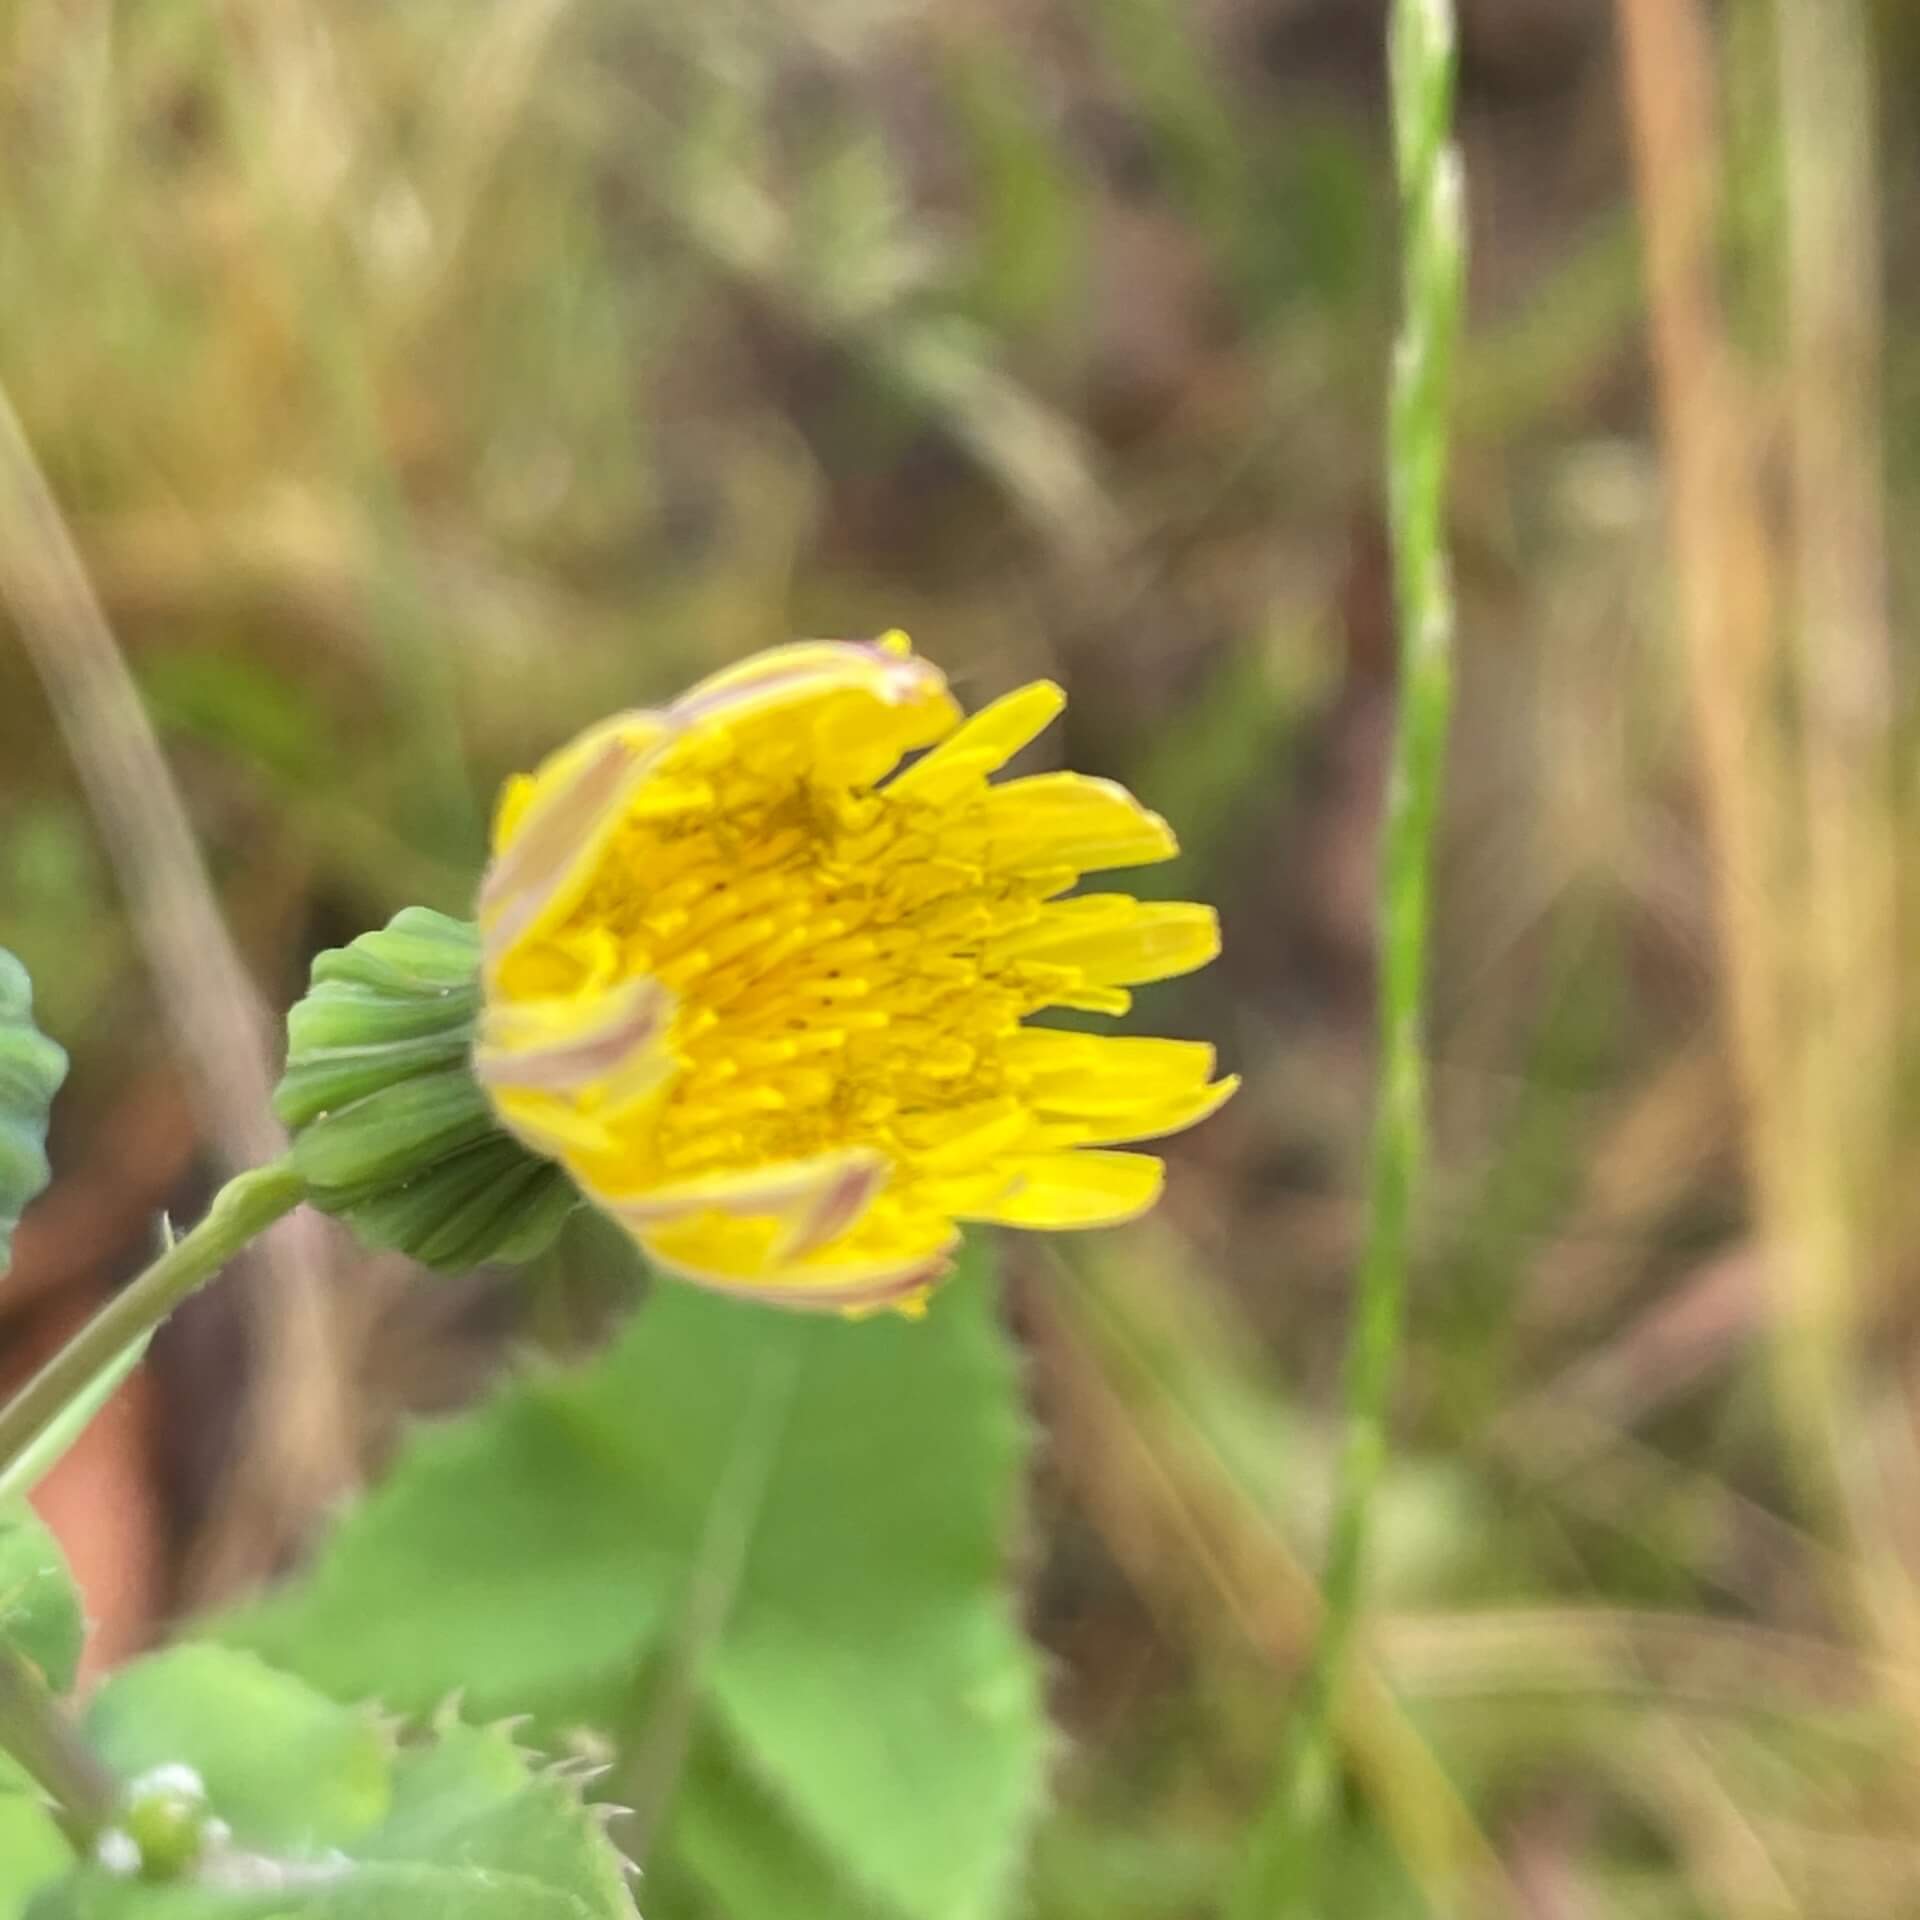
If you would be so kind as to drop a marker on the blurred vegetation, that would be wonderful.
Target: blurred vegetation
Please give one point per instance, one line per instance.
(418, 382)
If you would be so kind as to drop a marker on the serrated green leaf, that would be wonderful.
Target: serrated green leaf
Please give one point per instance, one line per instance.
(290, 1770)
(31, 1070)
(330, 1818)
(798, 1527)
(40, 1612)
(469, 1798)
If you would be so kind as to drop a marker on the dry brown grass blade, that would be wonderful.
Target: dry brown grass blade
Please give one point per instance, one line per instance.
(1799, 810)
(1727, 1857)
(1846, 701)
(1671, 1662)
(1572, 1439)
(1689, 1333)
(1653, 1154)
(295, 1450)
(1721, 546)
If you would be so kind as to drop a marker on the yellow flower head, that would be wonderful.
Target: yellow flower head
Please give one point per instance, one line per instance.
(764, 996)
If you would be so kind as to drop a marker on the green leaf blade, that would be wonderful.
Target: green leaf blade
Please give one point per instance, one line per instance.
(796, 1529)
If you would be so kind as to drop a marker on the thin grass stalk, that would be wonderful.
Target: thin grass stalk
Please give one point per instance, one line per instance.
(1727, 590)
(298, 1454)
(1723, 559)
(1843, 664)
(1277, 1879)
(1843, 659)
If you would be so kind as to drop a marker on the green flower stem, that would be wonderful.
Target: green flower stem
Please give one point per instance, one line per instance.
(35, 1731)
(34, 1728)
(243, 1209)
(1277, 1878)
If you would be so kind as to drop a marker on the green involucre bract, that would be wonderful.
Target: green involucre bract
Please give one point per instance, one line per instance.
(390, 1130)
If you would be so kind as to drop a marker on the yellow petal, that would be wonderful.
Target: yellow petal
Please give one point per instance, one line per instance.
(982, 745)
(1101, 1067)
(1061, 921)
(554, 1127)
(1068, 1123)
(1083, 998)
(1076, 1189)
(956, 1140)
(775, 673)
(572, 1044)
(1154, 940)
(557, 834)
(637, 730)
(859, 707)
(726, 1256)
(1097, 1089)
(516, 796)
(1071, 820)
(807, 1203)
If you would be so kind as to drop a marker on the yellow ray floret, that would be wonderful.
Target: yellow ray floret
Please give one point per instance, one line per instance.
(765, 996)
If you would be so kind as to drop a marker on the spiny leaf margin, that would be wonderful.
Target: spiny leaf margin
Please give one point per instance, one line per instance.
(334, 1817)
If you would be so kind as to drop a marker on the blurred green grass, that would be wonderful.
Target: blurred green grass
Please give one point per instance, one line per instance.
(422, 381)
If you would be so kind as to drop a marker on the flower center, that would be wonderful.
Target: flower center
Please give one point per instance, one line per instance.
(846, 965)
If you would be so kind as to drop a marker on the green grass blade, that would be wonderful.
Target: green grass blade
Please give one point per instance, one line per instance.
(1277, 1878)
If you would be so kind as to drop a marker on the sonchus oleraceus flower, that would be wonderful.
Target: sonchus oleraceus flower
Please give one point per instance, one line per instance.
(765, 994)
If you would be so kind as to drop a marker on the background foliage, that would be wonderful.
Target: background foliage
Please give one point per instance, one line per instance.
(419, 382)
